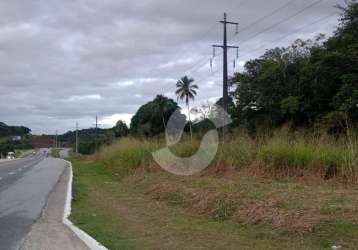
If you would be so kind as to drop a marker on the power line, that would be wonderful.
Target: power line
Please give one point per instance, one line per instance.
(182, 51)
(201, 38)
(204, 61)
(282, 21)
(272, 13)
(281, 38)
(289, 34)
(267, 16)
(200, 63)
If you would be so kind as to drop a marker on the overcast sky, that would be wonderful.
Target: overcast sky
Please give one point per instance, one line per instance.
(68, 60)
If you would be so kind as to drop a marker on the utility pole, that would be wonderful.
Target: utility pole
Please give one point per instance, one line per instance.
(225, 48)
(76, 137)
(56, 142)
(96, 132)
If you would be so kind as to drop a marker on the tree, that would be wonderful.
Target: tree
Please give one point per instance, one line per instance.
(6, 130)
(304, 83)
(148, 120)
(187, 90)
(121, 129)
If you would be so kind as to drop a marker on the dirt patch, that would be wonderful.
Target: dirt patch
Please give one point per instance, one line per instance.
(220, 170)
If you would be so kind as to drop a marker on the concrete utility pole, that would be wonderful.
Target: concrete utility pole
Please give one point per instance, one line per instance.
(96, 132)
(56, 142)
(76, 137)
(225, 48)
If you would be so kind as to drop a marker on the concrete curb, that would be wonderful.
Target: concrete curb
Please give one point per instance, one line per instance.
(86, 238)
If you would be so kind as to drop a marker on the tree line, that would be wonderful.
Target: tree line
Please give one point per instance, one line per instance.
(310, 83)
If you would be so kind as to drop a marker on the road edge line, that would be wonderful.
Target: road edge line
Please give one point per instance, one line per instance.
(86, 238)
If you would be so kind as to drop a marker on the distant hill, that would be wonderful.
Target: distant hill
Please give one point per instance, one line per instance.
(6, 130)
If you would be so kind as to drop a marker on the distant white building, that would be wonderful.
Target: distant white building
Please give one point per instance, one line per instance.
(16, 138)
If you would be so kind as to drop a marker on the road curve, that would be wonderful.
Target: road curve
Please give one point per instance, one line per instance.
(25, 185)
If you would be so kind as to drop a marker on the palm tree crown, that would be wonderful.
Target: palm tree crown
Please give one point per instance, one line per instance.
(186, 89)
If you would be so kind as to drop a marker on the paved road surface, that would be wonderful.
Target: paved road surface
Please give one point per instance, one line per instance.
(24, 187)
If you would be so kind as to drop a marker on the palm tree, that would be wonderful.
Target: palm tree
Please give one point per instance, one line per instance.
(187, 90)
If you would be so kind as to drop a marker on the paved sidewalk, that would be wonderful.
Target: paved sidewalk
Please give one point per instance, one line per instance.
(49, 233)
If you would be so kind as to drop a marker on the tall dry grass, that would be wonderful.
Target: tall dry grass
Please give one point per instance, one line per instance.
(281, 151)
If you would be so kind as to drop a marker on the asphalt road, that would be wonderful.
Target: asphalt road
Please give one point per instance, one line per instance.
(25, 185)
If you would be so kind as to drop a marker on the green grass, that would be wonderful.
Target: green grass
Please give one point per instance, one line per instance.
(55, 152)
(124, 213)
(92, 214)
(304, 153)
(223, 210)
(336, 233)
(127, 155)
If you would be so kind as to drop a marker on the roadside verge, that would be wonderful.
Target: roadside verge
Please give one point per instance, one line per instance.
(86, 238)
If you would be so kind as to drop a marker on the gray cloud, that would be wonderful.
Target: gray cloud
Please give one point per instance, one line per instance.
(62, 61)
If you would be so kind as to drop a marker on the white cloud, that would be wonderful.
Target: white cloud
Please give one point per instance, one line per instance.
(79, 98)
(110, 121)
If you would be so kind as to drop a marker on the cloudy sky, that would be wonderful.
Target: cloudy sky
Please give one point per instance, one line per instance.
(63, 61)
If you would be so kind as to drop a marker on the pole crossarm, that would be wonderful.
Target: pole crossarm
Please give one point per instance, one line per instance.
(228, 46)
(227, 22)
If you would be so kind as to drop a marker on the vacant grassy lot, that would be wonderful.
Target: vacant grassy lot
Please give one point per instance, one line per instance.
(146, 209)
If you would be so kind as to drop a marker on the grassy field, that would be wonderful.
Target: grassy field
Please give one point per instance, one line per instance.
(248, 201)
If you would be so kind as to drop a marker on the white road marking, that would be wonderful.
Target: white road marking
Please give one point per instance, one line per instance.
(11, 173)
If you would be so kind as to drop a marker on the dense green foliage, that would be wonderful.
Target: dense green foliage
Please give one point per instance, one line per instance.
(6, 130)
(151, 118)
(7, 144)
(309, 82)
(89, 139)
(121, 129)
